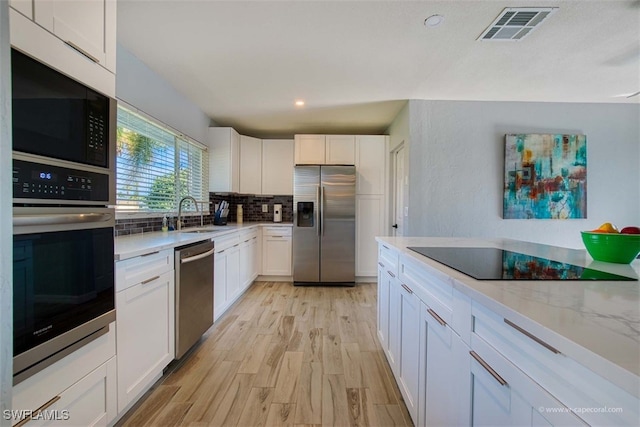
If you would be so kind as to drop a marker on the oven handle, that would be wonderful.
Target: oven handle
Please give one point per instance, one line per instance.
(57, 219)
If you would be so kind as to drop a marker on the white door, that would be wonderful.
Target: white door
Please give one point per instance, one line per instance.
(398, 191)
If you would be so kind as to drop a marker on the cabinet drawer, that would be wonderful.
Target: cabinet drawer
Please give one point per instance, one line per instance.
(501, 394)
(570, 382)
(136, 270)
(276, 231)
(247, 235)
(40, 388)
(388, 259)
(432, 287)
(224, 242)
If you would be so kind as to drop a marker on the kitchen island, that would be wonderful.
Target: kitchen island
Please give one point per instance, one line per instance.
(577, 340)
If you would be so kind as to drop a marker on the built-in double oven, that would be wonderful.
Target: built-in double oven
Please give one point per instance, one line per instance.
(64, 144)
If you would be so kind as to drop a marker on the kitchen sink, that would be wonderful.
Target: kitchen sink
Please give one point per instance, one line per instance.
(209, 229)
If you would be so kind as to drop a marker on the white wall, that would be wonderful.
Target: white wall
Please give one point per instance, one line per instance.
(141, 87)
(6, 238)
(457, 158)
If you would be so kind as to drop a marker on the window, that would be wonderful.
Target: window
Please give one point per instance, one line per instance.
(156, 166)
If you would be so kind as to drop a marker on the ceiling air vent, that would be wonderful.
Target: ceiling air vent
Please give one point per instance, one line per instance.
(514, 23)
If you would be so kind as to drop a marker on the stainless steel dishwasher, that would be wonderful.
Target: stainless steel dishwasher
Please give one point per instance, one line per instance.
(194, 294)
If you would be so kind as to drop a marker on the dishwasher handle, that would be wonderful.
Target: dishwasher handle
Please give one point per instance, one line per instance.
(196, 257)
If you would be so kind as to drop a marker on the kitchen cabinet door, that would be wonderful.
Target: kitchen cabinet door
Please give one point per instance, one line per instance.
(310, 149)
(224, 160)
(277, 167)
(444, 392)
(89, 402)
(255, 258)
(87, 26)
(25, 7)
(219, 284)
(233, 273)
(393, 350)
(409, 356)
(276, 255)
(250, 165)
(369, 224)
(340, 149)
(248, 262)
(383, 306)
(502, 395)
(371, 164)
(144, 335)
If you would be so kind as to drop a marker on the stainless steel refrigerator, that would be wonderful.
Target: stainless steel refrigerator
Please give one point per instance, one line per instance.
(324, 225)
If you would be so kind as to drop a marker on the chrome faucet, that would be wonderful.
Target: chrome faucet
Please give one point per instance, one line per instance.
(195, 202)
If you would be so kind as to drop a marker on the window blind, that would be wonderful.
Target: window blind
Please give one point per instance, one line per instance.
(157, 167)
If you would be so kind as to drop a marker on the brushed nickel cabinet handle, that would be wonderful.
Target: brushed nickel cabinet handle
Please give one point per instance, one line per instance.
(150, 253)
(488, 368)
(385, 247)
(406, 288)
(37, 411)
(82, 51)
(381, 264)
(144, 282)
(533, 337)
(391, 274)
(435, 316)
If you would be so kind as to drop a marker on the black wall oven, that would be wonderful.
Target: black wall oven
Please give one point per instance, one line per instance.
(64, 138)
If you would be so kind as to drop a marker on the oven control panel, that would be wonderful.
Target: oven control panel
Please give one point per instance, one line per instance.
(39, 181)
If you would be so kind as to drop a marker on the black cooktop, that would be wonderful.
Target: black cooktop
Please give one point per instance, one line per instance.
(499, 264)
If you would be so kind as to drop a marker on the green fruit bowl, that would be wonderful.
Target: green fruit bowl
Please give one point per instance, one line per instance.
(612, 247)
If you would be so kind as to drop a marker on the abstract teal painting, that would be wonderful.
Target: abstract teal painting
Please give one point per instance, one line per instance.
(545, 176)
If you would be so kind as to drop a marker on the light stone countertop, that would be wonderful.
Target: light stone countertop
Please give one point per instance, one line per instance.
(602, 317)
(139, 244)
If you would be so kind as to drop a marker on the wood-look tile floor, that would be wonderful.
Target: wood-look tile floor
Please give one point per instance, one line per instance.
(282, 355)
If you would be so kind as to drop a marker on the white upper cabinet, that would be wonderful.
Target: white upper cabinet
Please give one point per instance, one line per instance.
(310, 149)
(325, 149)
(250, 165)
(77, 38)
(224, 160)
(370, 164)
(87, 26)
(25, 7)
(277, 167)
(340, 149)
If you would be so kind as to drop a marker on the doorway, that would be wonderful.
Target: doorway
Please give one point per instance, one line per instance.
(398, 156)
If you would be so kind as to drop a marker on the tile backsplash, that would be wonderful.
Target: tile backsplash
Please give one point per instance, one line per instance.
(251, 207)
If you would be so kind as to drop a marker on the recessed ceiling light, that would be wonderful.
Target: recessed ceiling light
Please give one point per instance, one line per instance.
(299, 103)
(433, 21)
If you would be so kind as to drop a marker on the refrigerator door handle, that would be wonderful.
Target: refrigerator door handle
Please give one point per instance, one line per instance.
(317, 215)
(322, 209)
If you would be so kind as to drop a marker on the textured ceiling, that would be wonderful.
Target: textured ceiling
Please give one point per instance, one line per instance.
(356, 62)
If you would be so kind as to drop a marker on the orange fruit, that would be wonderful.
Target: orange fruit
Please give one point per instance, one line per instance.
(607, 227)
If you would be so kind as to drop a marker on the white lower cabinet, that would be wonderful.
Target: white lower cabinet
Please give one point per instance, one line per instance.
(86, 402)
(236, 266)
(145, 334)
(383, 306)
(502, 395)
(248, 259)
(78, 390)
(450, 360)
(226, 273)
(409, 360)
(276, 251)
(233, 272)
(444, 371)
